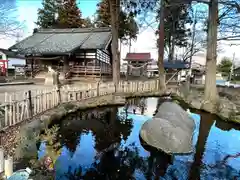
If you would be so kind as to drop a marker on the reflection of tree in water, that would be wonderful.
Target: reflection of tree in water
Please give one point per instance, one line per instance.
(106, 125)
(158, 162)
(115, 164)
(220, 169)
(113, 131)
(206, 123)
(121, 163)
(69, 137)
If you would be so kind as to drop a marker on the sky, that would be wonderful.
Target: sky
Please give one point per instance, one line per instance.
(146, 42)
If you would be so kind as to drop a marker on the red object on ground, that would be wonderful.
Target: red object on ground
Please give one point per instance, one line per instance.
(3, 67)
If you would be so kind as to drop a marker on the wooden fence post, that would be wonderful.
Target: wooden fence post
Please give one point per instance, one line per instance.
(115, 87)
(156, 85)
(98, 88)
(1, 161)
(6, 109)
(8, 167)
(30, 107)
(59, 95)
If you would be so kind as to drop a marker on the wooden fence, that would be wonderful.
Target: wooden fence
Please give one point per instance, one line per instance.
(19, 107)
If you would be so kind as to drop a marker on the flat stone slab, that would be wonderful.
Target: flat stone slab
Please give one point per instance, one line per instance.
(170, 130)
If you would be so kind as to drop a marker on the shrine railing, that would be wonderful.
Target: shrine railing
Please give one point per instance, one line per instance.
(91, 69)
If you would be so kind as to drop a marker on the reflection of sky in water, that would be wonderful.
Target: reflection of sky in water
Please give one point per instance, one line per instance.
(219, 144)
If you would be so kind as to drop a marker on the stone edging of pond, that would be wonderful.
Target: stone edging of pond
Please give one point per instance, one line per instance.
(228, 110)
(18, 139)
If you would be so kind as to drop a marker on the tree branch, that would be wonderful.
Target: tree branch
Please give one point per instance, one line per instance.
(9, 25)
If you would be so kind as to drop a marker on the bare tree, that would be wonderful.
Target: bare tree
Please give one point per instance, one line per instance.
(9, 24)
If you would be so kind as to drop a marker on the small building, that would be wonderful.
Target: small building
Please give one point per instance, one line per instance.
(236, 73)
(8, 59)
(152, 68)
(146, 66)
(137, 64)
(171, 68)
(79, 52)
(197, 73)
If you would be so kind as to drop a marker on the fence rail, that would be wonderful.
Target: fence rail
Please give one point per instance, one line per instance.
(18, 108)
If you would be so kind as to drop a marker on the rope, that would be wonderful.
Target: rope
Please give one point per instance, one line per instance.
(134, 67)
(137, 71)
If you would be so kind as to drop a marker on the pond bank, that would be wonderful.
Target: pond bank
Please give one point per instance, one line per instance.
(22, 133)
(229, 101)
(14, 135)
(87, 138)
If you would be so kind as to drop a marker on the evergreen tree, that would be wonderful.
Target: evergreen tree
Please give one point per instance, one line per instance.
(175, 32)
(48, 13)
(128, 28)
(70, 15)
(87, 22)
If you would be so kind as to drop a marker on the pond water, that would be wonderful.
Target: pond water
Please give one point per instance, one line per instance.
(104, 144)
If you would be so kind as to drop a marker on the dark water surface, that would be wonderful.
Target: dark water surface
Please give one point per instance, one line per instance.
(104, 144)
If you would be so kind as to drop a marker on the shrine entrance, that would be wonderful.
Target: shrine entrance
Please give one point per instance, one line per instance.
(137, 65)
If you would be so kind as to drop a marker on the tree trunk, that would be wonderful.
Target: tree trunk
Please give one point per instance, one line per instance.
(114, 11)
(206, 123)
(172, 42)
(161, 70)
(210, 91)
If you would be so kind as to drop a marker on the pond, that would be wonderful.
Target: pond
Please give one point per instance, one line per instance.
(104, 143)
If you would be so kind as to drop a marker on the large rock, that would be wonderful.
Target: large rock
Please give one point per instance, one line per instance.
(170, 130)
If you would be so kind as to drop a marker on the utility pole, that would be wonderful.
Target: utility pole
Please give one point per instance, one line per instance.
(231, 71)
(18, 37)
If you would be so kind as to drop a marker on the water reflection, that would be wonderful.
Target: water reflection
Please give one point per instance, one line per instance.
(157, 161)
(105, 144)
(206, 123)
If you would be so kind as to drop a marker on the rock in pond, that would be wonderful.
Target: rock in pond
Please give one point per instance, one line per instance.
(170, 130)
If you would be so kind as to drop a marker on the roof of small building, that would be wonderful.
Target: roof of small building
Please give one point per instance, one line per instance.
(63, 41)
(138, 57)
(11, 54)
(236, 69)
(177, 64)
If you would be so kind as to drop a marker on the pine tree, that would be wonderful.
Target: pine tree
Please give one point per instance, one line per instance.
(127, 25)
(70, 15)
(47, 14)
